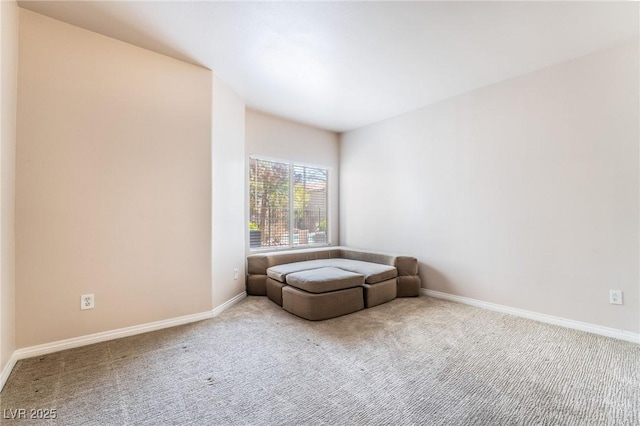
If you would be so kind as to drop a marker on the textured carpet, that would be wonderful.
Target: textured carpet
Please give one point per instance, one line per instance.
(410, 361)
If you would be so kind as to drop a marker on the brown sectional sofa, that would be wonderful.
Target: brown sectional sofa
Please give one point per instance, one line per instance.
(325, 283)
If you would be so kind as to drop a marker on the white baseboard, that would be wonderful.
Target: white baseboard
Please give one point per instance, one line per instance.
(229, 303)
(6, 371)
(104, 336)
(549, 319)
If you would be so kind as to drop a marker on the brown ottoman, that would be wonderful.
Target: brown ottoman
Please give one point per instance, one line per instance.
(323, 293)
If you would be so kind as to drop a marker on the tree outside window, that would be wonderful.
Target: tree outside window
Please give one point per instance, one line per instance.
(288, 204)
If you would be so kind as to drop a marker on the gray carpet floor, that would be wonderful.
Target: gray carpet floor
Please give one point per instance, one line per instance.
(410, 361)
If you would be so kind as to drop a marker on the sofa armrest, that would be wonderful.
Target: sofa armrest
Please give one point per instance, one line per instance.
(406, 265)
(365, 256)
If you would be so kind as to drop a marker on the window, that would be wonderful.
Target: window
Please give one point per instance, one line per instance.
(287, 205)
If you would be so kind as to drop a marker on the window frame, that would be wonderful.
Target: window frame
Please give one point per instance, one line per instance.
(291, 225)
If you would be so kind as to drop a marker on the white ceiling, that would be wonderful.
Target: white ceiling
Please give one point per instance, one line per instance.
(343, 65)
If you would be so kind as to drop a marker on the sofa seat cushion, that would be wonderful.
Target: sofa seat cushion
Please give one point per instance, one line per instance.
(280, 272)
(373, 272)
(323, 280)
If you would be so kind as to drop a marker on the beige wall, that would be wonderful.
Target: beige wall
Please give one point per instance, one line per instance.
(113, 184)
(524, 193)
(228, 189)
(274, 137)
(8, 72)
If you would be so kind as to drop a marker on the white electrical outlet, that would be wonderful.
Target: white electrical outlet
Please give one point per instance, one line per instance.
(615, 297)
(235, 274)
(87, 301)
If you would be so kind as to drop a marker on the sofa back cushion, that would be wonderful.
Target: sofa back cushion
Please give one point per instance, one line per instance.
(406, 265)
(259, 263)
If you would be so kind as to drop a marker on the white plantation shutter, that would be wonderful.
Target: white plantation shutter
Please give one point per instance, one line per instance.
(288, 204)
